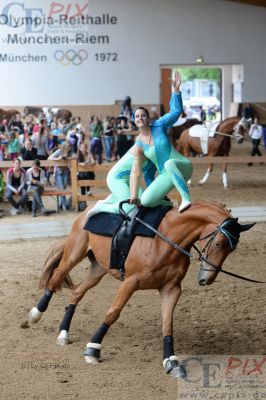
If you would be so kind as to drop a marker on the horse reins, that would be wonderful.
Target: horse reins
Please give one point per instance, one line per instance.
(201, 256)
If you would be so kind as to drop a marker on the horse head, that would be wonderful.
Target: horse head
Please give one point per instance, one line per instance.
(241, 128)
(215, 247)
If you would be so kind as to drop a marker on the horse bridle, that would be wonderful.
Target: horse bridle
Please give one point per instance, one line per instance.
(223, 228)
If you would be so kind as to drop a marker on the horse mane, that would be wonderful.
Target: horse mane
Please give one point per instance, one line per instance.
(226, 124)
(209, 204)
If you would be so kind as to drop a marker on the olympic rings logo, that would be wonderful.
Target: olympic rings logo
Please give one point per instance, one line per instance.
(70, 57)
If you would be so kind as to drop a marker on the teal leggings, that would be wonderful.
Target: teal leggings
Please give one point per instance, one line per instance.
(175, 174)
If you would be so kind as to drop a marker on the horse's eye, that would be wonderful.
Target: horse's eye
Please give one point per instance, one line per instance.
(218, 245)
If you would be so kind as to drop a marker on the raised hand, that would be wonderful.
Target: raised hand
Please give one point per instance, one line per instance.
(176, 81)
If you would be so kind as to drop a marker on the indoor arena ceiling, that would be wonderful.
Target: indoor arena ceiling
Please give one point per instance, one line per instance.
(261, 3)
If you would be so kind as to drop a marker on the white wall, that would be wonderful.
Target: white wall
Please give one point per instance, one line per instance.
(148, 34)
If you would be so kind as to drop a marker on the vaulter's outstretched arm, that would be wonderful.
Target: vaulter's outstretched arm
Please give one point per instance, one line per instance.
(176, 105)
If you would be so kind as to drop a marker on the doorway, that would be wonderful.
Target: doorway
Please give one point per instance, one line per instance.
(206, 89)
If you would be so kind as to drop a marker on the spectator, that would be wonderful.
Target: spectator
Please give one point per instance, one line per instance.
(2, 185)
(28, 152)
(249, 112)
(255, 133)
(122, 140)
(79, 125)
(13, 146)
(35, 180)
(109, 130)
(202, 114)
(15, 185)
(83, 158)
(28, 127)
(96, 149)
(40, 141)
(16, 124)
(62, 174)
(3, 142)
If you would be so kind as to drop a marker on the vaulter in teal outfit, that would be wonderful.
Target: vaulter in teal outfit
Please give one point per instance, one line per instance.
(152, 149)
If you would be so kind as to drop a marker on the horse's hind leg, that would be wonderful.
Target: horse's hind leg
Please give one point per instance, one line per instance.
(127, 288)
(169, 297)
(96, 273)
(207, 175)
(225, 182)
(74, 251)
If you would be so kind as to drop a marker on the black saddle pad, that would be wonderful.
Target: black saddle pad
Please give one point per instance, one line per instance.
(106, 224)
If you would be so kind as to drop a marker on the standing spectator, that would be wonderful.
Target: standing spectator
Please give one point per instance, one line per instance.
(62, 173)
(15, 185)
(96, 131)
(109, 130)
(35, 180)
(28, 152)
(16, 124)
(122, 140)
(202, 114)
(83, 158)
(249, 112)
(13, 146)
(79, 125)
(28, 127)
(40, 141)
(3, 142)
(2, 185)
(255, 133)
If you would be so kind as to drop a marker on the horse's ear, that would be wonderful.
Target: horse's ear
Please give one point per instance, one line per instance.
(246, 227)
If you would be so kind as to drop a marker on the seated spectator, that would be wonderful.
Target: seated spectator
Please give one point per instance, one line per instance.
(13, 146)
(28, 152)
(15, 185)
(83, 158)
(35, 180)
(62, 173)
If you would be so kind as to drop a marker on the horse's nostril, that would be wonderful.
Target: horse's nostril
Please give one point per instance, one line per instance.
(203, 282)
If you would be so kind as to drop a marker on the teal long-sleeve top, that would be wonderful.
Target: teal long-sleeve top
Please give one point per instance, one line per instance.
(159, 128)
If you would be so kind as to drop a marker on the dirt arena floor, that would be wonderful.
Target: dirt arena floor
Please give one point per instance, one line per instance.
(227, 317)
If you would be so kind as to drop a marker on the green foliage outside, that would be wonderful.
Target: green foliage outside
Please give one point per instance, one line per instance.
(188, 74)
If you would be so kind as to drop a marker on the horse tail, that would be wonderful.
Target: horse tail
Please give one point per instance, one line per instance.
(51, 263)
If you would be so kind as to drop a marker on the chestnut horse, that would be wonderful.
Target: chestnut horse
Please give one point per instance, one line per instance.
(219, 145)
(8, 114)
(176, 131)
(61, 113)
(152, 263)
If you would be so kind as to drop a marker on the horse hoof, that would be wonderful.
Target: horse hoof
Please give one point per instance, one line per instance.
(34, 315)
(63, 338)
(91, 360)
(200, 183)
(178, 372)
(174, 368)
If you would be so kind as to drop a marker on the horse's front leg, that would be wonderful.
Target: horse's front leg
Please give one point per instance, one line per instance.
(169, 297)
(92, 279)
(225, 183)
(207, 175)
(93, 351)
